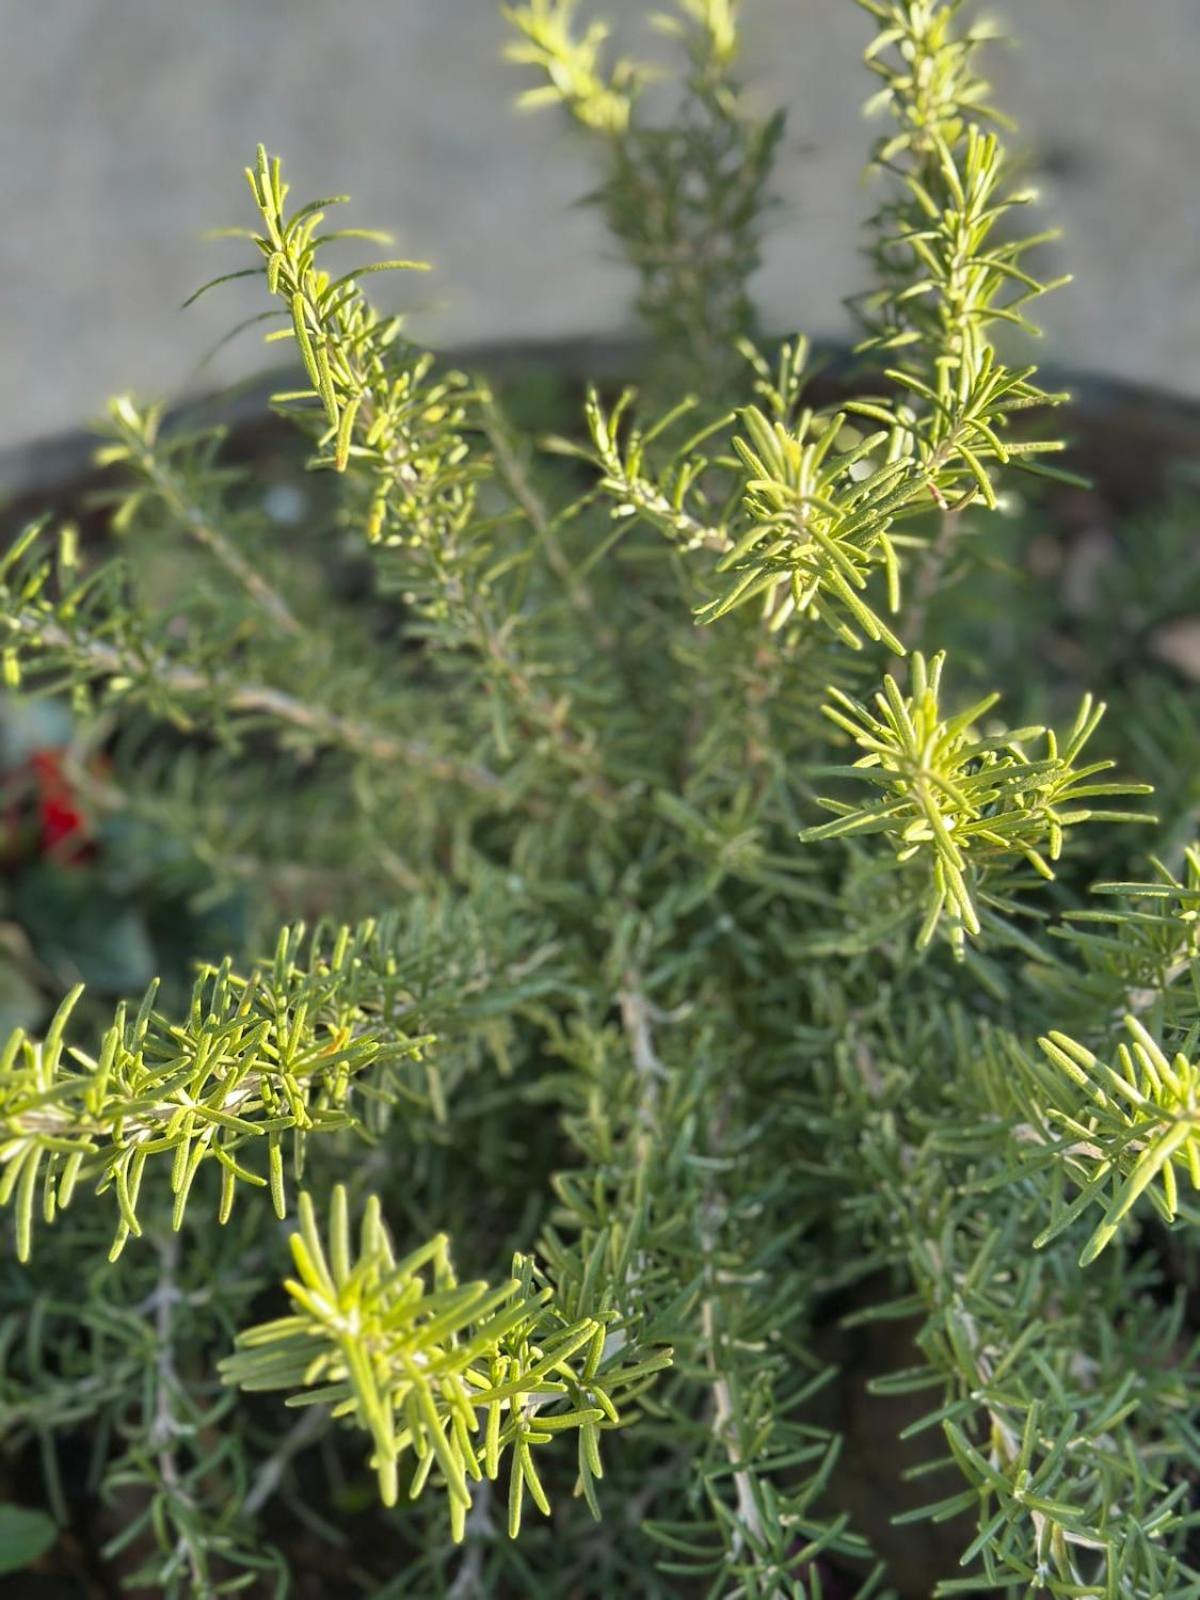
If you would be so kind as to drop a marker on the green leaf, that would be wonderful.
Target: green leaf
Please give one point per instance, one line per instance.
(24, 1536)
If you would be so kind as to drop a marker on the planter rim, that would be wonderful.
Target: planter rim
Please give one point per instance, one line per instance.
(1164, 422)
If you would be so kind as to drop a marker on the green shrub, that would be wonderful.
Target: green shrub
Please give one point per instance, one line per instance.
(815, 1157)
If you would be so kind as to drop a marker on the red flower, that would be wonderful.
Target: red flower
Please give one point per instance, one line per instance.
(62, 825)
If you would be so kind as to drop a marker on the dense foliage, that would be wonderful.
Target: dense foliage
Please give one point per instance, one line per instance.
(698, 959)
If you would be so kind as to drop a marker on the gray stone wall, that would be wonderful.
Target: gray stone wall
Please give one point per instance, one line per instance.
(124, 125)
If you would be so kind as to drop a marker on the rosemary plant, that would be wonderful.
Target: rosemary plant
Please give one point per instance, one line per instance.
(692, 956)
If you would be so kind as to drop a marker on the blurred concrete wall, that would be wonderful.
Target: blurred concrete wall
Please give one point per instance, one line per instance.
(124, 125)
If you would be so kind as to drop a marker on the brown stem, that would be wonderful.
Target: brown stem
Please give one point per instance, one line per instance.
(105, 660)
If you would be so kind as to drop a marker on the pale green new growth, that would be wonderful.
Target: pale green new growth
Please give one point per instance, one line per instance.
(260, 1065)
(962, 801)
(687, 199)
(1133, 1129)
(377, 401)
(459, 1374)
(572, 64)
(806, 519)
(752, 1102)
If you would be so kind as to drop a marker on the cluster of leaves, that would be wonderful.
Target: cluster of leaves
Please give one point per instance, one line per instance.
(257, 1058)
(687, 200)
(1134, 1125)
(424, 1366)
(753, 1103)
(805, 516)
(955, 798)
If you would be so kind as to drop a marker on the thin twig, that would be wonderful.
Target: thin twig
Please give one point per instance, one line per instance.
(511, 470)
(311, 1426)
(724, 1427)
(104, 660)
(165, 1427)
(207, 534)
(930, 574)
(636, 1017)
